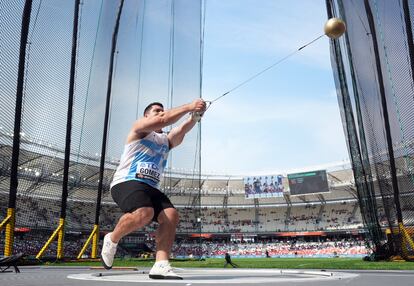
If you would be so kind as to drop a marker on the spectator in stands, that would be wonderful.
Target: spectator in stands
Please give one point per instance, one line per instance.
(272, 188)
(257, 186)
(135, 187)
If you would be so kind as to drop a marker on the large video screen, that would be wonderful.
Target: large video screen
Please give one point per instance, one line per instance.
(263, 186)
(308, 183)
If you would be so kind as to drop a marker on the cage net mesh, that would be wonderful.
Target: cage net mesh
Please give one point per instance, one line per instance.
(373, 70)
(157, 58)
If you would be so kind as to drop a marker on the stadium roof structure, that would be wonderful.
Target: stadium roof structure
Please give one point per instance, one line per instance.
(41, 174)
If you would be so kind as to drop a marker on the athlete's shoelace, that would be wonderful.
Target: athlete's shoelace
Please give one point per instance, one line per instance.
(168, 268)
(110, 249)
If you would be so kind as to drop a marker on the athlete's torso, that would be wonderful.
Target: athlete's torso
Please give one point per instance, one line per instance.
(143, 160)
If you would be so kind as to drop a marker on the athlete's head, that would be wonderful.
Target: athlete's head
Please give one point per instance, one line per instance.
(153, 108)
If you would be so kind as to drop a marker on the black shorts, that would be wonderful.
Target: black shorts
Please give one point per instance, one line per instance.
(132, 195)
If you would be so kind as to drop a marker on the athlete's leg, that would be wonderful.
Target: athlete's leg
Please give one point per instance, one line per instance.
(165, 235)
(130, 222)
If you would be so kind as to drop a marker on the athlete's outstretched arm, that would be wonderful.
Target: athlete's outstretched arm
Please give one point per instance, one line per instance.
(167, 117)
(176, 135)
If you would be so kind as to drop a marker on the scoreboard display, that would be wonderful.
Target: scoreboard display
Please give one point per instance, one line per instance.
(308, 183)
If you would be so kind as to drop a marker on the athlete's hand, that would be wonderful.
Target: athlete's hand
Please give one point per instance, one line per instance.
(198, 105)
(196, 116)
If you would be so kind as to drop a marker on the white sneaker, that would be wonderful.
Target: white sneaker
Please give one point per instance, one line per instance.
(163, 270)
(108, 251)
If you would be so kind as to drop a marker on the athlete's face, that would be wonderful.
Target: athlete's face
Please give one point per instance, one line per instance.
(155, 110)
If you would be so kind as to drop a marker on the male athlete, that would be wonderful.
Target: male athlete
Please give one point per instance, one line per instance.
(135, 186)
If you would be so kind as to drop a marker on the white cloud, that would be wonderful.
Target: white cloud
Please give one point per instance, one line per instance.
(243, 137)
(272, 29)
(286, 118)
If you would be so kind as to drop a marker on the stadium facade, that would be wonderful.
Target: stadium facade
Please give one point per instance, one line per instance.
(219, 211)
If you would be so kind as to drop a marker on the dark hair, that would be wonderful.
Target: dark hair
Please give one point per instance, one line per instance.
(148, 108)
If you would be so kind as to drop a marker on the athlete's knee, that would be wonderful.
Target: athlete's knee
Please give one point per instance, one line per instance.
(175, 217)
(169, 216)
(143, 215)
(147, 214)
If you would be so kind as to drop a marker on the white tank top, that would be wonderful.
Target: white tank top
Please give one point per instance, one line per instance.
(143, 160)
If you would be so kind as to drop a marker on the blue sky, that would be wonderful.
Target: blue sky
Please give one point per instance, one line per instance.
(287, 118)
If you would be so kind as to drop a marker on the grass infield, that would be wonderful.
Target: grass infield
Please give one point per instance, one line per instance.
(284, 263)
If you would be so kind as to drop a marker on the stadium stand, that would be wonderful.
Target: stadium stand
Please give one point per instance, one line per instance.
(223, 207)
